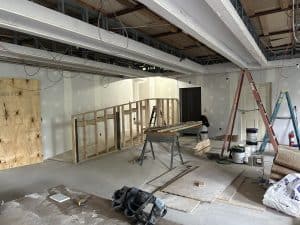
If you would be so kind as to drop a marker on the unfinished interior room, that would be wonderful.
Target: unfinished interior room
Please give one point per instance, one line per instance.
(149, 112)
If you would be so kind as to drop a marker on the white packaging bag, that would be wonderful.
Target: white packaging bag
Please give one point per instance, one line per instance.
(284, 195)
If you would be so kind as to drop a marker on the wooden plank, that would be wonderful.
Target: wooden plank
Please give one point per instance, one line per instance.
(180, 127)
(147, 112)
(115, 129)
(162, 106)
(142, 120)
(130, 123)
(74, 147)
(168, 112)
(215, 177)
(84, 137)
(123, 126)
(201, 145)
(178, 111)
(137, 120)
(177, 202)
(106, 131)
(168, 176)
(173, 112)
(96, 133)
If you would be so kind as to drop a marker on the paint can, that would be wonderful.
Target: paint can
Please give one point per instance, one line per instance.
(251, 139)
(238, 154)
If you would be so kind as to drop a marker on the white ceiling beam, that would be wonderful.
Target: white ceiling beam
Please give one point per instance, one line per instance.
(42, 58)
(228, 14)
(197, 19)
(28, 17)
(230, 67)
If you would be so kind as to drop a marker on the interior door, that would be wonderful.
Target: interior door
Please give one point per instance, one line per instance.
(250, 116)
(190, 99)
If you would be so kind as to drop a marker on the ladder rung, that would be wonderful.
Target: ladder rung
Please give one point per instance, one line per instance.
(283, 117)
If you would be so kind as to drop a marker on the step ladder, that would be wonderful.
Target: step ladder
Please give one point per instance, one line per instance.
(153, 118)
(293, 117)
(232, 117)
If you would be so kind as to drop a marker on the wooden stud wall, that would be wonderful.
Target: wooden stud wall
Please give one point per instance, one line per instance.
(96, 131)
(20, 123)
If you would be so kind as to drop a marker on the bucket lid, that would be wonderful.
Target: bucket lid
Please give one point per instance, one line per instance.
(251, 130)
(237, 149)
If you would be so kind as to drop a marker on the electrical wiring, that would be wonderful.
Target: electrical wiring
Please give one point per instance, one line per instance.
(293, 22)
(122, 25)
(31, 74)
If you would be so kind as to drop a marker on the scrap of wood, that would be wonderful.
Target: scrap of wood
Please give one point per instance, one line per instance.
(202, 145)
(198, 183)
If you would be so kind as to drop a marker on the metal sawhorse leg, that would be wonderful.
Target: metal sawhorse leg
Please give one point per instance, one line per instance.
(173, 139)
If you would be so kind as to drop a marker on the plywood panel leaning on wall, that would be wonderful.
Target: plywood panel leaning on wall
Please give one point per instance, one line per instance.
(20, 123)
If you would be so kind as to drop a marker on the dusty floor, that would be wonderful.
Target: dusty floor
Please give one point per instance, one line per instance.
(108, 173)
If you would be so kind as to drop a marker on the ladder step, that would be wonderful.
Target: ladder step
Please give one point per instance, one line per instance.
(283, 117)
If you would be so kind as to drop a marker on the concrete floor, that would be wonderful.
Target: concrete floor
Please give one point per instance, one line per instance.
(108, 173)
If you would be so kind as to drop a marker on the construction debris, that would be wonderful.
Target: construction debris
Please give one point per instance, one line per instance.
(284, 195)
(202, 147)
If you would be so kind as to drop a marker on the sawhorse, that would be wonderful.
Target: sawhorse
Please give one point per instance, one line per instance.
(170, 137)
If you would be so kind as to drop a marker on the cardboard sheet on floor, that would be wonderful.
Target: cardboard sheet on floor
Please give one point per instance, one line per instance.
(216, 178)
(244, 192)
(177, 202)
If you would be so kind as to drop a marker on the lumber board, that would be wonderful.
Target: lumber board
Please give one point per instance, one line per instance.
(179, 203)
(142, 120)
(230, 191)
(168, 176)
(20, 123)
(216, 178)
(202, 145)
(180, 127)
(173, 111)
(105, 131)
(288, 157)
(130, 124)
(96, 133)
(123, 126)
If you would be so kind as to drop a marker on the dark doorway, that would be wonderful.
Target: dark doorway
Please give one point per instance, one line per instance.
(190, 99)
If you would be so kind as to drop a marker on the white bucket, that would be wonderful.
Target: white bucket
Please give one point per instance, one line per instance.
(238, 157)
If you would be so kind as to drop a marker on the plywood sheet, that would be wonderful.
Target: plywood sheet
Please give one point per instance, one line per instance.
(177, 202)
(215, 177)
(20, 123)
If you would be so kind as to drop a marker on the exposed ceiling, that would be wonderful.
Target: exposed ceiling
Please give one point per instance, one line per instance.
(272, 20)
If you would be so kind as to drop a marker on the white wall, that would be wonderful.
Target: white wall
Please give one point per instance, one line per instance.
(218, 92)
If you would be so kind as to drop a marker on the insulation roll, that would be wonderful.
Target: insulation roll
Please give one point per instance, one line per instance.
(281, 170)
(288, 157)
(276, 176)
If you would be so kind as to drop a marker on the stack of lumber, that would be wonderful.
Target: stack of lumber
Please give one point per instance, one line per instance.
(202, 147)
(286, 162)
